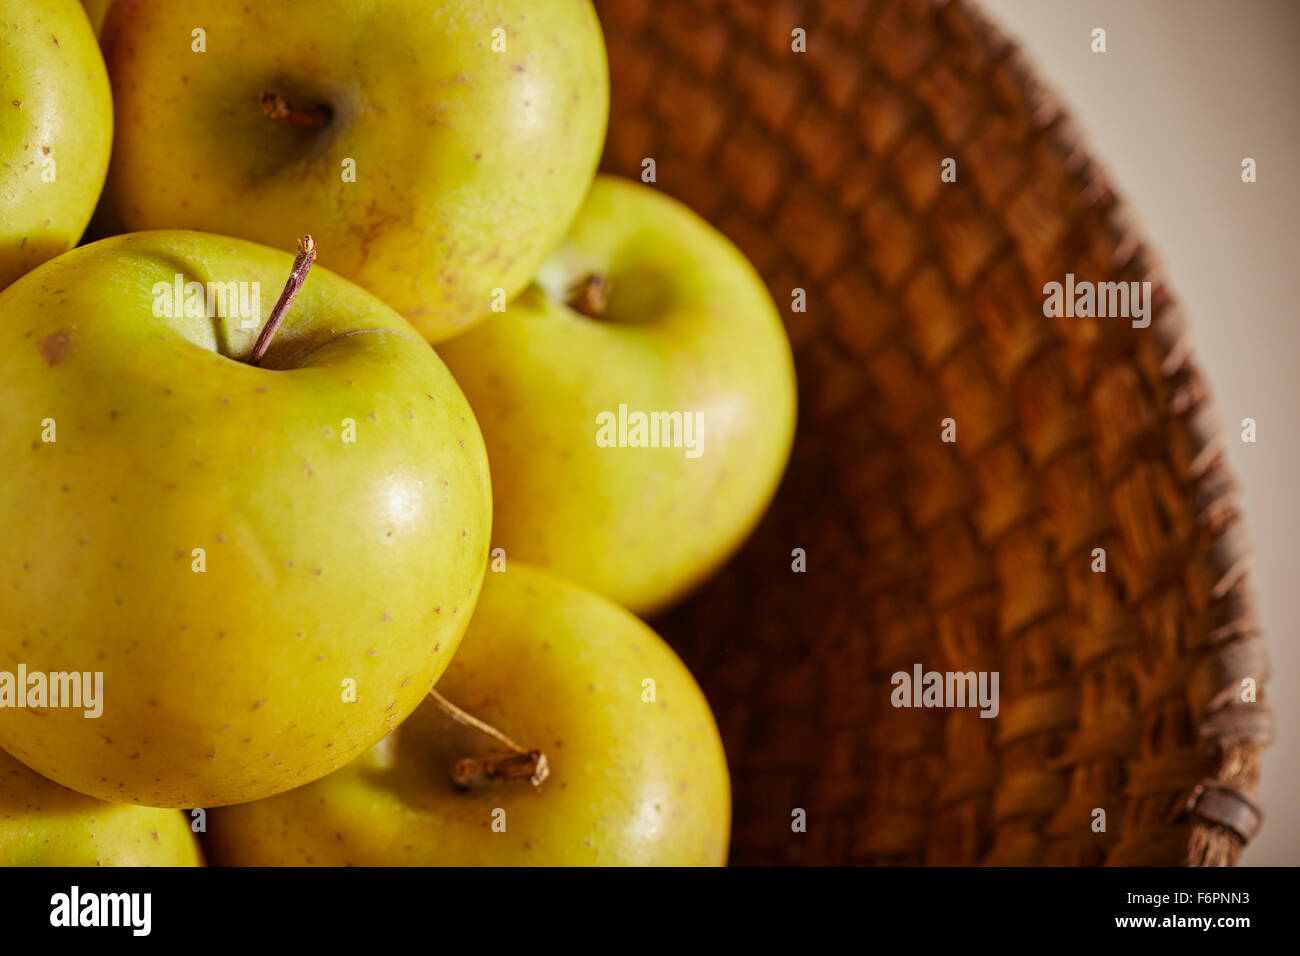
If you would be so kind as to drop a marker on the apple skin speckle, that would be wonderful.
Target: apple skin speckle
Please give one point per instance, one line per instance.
(55, 346)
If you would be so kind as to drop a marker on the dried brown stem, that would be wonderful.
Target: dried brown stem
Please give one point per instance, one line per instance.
(278, 108)
(301, 266)
(589, 295)
(495, 767)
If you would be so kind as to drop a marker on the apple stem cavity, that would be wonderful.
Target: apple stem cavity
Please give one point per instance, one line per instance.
(301, 266)
(472, 773)
(589, 295)
(278, 108)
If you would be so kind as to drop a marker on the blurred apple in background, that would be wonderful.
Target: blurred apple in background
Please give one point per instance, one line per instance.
(637, 773)
(56, 127)
(676, 322)
(235, 548)
(438, 149)
(43, 824)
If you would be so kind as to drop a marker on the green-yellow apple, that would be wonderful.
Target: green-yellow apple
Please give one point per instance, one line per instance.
(686, 353)
(636, 769)
(43, 824)
(56, 128)
(438, 148)
(268, 565)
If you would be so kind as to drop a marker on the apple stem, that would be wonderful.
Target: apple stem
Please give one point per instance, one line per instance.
(278, 108)
(301, 266)
(589, 295)
(474, 772)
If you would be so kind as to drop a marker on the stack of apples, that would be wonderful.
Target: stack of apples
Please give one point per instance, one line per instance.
(495, 411)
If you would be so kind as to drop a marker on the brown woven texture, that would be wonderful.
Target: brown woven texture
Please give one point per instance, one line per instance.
(1119, 690)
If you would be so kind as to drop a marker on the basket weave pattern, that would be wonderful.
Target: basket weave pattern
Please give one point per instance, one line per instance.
(1119, 690)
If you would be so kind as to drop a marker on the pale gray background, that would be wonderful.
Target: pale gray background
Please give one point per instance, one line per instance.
(1186, 90)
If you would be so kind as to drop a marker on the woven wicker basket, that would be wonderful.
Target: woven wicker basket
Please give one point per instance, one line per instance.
(1120, 690)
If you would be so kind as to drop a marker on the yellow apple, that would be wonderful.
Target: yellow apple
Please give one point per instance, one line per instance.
(267, 565)
(637, 772)
(56, 127)
(43, 824)
(438, 148)
(688, 333)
